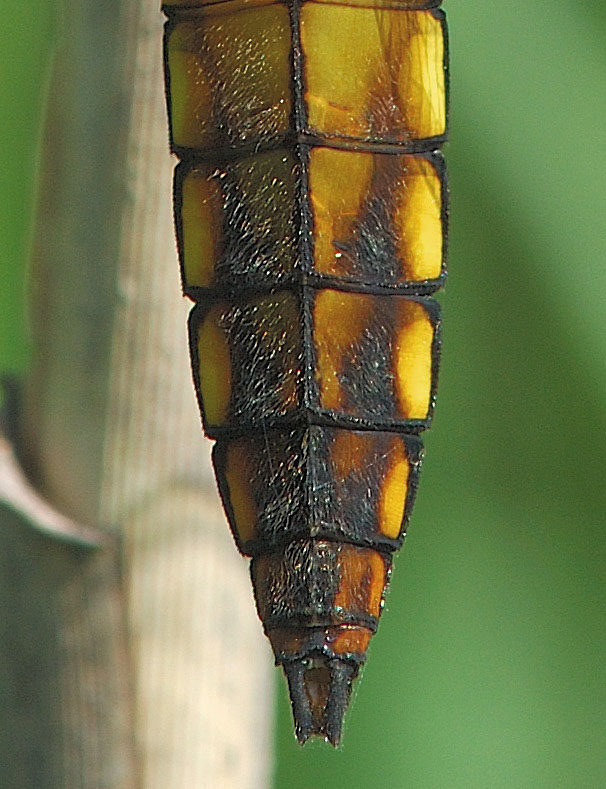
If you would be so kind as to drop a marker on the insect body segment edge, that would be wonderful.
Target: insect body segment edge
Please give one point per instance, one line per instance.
(311, 212)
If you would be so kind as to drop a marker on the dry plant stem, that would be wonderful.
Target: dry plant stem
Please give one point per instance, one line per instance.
(158, 669)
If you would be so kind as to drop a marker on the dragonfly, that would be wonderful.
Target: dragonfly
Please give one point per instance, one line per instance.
(310, 205)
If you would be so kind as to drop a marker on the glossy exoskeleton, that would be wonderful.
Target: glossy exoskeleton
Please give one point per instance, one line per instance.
(310, 205)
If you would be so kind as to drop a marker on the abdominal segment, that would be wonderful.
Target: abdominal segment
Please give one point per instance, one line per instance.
(311, 207)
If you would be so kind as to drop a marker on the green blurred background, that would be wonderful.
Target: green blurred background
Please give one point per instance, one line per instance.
(487, 669)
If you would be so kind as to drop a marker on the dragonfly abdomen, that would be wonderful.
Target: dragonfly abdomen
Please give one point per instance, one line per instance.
(310, 207)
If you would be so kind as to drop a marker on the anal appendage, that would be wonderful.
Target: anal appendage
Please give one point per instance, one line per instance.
(320, 688)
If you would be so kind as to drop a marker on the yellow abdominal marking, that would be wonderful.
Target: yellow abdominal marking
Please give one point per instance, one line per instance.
(215, 369)
(393, 499)
(187, 81)
(338, 184)
(413, 363)
(419, 222)
(423, 67)
(201, 229)
(339, 319)
(373, 79)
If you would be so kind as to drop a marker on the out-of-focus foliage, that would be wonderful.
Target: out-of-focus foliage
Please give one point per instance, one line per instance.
(487, 669)
(26, 38)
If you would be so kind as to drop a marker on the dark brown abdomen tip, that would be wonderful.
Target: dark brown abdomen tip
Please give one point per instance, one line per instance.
(320, 665)
(319, 688)
(320, 602)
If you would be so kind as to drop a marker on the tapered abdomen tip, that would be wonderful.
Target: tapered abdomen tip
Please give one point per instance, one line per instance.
(319, 688)
(320, 603)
